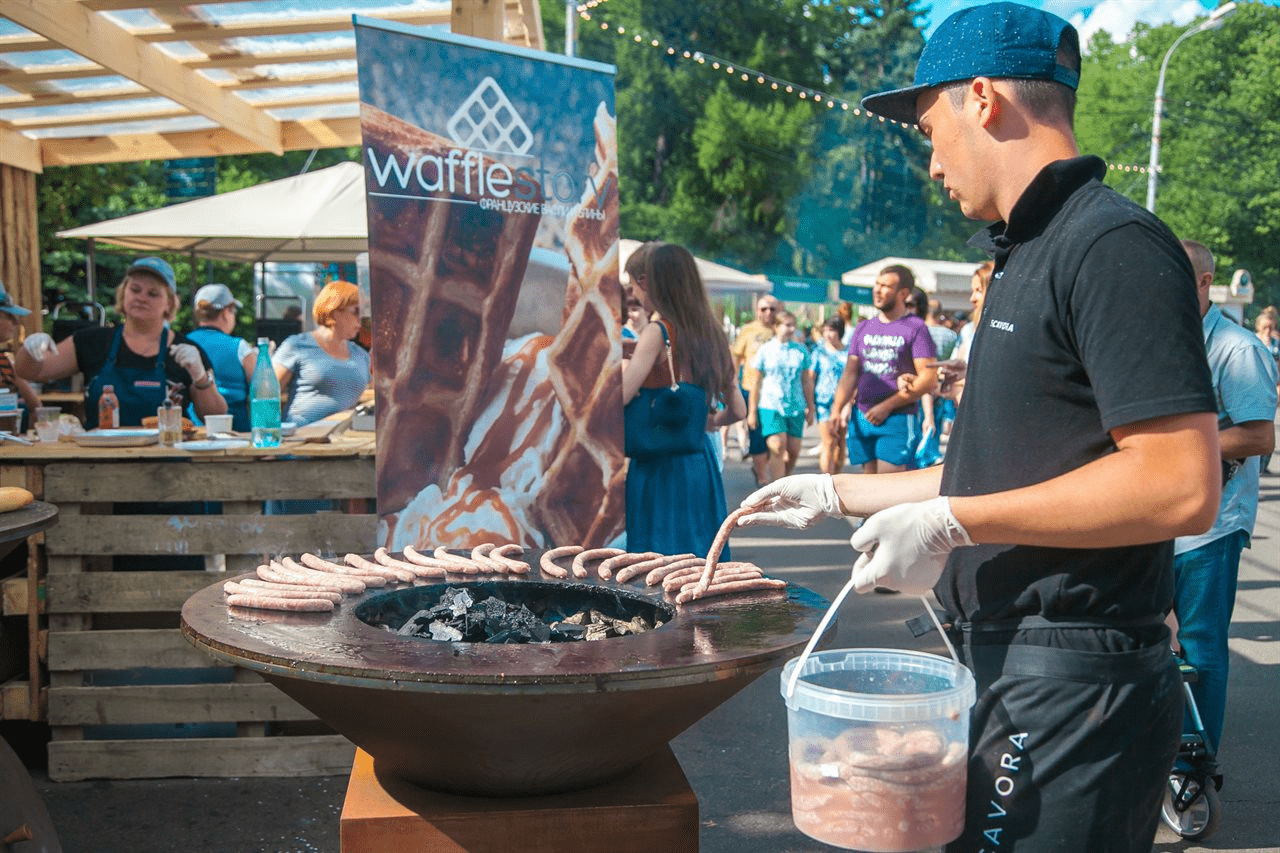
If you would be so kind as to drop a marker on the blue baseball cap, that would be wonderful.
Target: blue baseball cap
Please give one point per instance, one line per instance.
(1006, 40)
(156, 266)
(8, 307)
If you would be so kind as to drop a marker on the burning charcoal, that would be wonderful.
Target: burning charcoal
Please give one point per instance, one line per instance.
(596, 631)
(441, 631)
(457, 600)
(413, 626)
(566, 631)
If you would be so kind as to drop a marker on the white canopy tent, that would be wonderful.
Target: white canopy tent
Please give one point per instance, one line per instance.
(313, 217)
(718, 278)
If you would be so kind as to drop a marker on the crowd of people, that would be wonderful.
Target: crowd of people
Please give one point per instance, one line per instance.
(206, 371)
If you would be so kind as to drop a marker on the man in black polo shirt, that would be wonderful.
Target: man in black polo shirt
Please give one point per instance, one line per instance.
(1085, 443)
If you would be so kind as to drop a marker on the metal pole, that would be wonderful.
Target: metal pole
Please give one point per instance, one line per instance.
(570, 27)
(1215, 20)
(90, 270)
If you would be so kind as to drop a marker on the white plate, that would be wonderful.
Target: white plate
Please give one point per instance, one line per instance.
(212, 445)
(117, 438)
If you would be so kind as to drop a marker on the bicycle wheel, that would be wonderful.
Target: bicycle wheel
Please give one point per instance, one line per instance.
(1201, 812)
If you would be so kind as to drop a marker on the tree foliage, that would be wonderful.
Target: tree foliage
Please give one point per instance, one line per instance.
(1219, 133)
(747, 174)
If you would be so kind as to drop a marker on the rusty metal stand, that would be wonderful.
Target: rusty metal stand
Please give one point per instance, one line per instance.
(651, 808)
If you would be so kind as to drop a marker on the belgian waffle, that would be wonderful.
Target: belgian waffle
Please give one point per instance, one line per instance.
(576, 503)
(592, 242)
(446, 274)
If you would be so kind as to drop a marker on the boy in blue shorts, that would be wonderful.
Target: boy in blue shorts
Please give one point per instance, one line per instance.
(868, 401)
(781, 402)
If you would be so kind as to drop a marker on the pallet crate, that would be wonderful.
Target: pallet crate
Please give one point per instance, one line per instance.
(127, 696)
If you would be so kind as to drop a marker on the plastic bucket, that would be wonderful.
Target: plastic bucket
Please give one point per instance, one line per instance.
(879, 742)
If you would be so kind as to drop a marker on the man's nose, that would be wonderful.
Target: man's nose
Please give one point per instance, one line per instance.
(935, 167)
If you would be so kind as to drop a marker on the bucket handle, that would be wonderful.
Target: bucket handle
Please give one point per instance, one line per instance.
(826, 620)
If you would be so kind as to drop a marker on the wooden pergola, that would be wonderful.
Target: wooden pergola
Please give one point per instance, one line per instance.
(191, 84)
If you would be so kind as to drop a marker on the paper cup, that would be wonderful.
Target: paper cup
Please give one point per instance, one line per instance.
(217, 423)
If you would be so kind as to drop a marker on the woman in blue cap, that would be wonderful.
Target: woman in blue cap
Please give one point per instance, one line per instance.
(143, 360)
(9, 314)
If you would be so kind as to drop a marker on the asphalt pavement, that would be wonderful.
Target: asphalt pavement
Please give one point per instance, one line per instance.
(735, 758)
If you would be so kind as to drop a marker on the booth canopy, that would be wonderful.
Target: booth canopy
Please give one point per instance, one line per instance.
(314, 217)
(718, 278)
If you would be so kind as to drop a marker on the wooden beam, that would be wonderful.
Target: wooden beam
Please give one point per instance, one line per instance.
(20, 151)
(58, 98)
(100, 40)
(284, 57)
(274, 27)
(214, 142)
(91, 119)
(484, 19)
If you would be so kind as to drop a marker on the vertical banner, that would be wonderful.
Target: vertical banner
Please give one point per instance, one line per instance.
(492, 183)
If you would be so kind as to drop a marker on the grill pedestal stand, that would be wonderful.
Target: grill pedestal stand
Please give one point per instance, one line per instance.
(651, 808)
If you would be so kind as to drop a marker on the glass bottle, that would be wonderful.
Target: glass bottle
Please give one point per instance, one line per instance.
(264, 400)
(108, 408)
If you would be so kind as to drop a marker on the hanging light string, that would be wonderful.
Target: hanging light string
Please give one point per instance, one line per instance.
(751, 75)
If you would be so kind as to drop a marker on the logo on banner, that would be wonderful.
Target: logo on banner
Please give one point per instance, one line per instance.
(487, 119)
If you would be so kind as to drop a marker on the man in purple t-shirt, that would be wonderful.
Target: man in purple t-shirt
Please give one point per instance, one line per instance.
(893, 343)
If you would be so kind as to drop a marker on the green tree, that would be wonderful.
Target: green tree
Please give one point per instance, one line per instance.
(745, 173)
(1219, 133)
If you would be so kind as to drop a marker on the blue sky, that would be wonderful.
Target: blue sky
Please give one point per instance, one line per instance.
(1115, 16)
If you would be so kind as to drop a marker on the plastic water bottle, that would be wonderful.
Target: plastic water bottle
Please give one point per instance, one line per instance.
(264, 400)
(108, 408)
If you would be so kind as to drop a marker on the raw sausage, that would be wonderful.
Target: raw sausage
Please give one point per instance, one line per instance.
(390, 563)
(609, 566)
(313, 561)
(652, 563)
(728, 587)
(279, 590)
(282, 574)
(717, 545)
(418, 558)
(656, 575)
(456, 563)
(580, 561)
(504, 555)
(262, 602)
(480, 556)
(261, 587)
(678, 580)
(547, 561)
(371, 579)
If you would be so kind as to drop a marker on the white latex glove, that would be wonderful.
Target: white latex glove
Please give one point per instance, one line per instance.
(797, 501)
(189, 358)
(38, 345)
(905, 547)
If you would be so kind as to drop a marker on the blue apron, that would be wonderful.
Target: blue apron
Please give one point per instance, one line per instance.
(139, 391)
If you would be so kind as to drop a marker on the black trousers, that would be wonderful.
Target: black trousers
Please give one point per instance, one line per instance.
(1071, 740)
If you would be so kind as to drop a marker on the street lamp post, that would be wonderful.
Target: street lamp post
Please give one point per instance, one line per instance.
(1216, 18)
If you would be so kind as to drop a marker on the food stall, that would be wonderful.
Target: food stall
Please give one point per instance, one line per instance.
(125, 695)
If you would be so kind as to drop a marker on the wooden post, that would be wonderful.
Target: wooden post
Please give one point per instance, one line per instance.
(20, 242)
(485, 19)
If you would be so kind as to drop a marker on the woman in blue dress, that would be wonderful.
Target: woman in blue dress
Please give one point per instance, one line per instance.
(675, 504)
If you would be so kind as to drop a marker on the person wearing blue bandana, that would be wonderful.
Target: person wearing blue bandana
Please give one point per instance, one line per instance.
(1078, 454)
(143, 360)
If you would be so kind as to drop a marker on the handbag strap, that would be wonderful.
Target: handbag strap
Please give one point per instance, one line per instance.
(670, 359)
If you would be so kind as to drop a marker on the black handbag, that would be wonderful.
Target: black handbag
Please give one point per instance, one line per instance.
(667, 421)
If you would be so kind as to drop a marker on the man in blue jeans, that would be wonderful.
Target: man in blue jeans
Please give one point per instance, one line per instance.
(1206, 566)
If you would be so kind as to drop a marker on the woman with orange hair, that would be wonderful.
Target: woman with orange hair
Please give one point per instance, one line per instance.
(323, 371)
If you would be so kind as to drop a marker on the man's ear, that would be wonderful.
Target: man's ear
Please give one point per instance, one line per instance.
(985, 100)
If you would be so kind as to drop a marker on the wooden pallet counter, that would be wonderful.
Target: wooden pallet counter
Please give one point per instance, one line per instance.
(126, 696)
